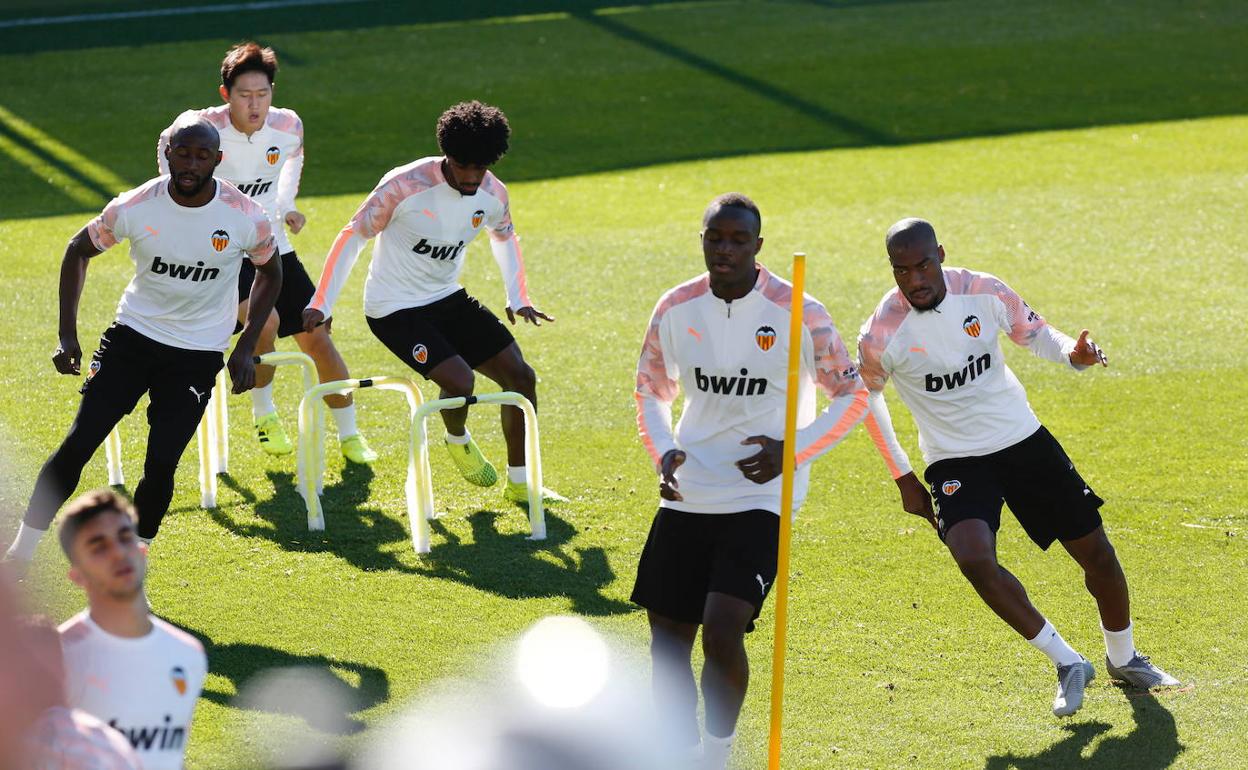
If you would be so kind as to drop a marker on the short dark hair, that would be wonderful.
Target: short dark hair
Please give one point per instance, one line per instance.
(247, 57)
(733, 200)
(473, 133)
(85, 508)
(909, 232)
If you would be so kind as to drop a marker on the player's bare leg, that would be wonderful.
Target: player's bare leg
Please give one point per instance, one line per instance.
(726, 671)
(509, 370)
(319, 345)
(974, 547)
(1103, 576)
(455, 379)
(269, 431)
(671, 676)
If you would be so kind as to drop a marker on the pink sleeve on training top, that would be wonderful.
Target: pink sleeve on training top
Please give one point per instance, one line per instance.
(375, 212)
(109, 228)
(500, 226)
(1021, 323)
(656, 387)
(875, 336)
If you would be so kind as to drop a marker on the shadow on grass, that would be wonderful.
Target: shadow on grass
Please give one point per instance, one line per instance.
(505, 564)
(241, 663)
(1152, 745)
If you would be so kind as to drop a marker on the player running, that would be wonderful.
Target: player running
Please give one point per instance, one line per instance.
(936, 335)
(710, 558)
(263, 148)
(189, 235)
(131, 670)
(424, 215)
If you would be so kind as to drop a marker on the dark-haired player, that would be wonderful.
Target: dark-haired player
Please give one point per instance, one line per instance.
(263, 148)
(135, 672)
(710, 558)
(424, 215)
(937, 335)
(189, 235)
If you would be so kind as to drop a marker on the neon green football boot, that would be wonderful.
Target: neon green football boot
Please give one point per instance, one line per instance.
(272, 435)
(472, 464)
(518, 492)
(357, 450)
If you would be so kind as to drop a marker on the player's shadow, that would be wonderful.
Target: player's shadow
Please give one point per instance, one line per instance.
(353, 532)
(506, 564)
(512, 566)
(1153, 744)
(241, 662)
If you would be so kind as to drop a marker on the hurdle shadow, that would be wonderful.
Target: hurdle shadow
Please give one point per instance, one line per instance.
(240, 662)
(514, 567)
(1152, 745)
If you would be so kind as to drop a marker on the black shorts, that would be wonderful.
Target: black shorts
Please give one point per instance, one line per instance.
(296, 293)
(689, 555)
(1034, 477)
(458, 325)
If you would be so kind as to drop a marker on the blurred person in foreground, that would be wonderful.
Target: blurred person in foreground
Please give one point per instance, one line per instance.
(139, 674)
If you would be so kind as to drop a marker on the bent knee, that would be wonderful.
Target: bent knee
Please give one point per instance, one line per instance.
(722, 639)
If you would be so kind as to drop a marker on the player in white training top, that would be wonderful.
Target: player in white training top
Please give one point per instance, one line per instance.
(189, 235)
(423, 216)
(263, 157)
(139, 674)
(710, 558)
(937, 336)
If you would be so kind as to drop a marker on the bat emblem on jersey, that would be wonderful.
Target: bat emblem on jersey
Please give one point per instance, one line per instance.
(420, 353)
(971, 326)
(272, 154)
(478, 217)
(950, 486)
(765, 337)
(178, 675)
(220, 239)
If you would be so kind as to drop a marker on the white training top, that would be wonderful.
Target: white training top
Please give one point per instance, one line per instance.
(265, 166)
(731, 361)
(422, 226)
(71, 739)
(145, 688)
(186, 261)
(947, 366)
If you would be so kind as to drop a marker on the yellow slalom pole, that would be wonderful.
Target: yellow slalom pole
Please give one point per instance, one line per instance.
(786, 510)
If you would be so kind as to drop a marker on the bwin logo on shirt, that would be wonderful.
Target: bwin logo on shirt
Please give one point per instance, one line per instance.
(438, 252)
(160, 737)
(255, 188)
(194, 274)
(730, 386)
(974, 367)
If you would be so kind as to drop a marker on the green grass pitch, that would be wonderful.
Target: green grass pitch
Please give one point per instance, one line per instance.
(1092, 154)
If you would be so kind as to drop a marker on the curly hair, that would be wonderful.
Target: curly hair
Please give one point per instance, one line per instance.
(247, 57)
(473, 133)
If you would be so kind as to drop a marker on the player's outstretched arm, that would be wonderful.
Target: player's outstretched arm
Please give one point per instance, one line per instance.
(264, 291)
(68, 355)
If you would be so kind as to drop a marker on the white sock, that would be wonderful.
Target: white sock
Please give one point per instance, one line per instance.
(262, 401)
(344, 418)
(26, 541)
(715, 751)
(461, 440)
(1052, 644)
(517, 474)
(1120, 645)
